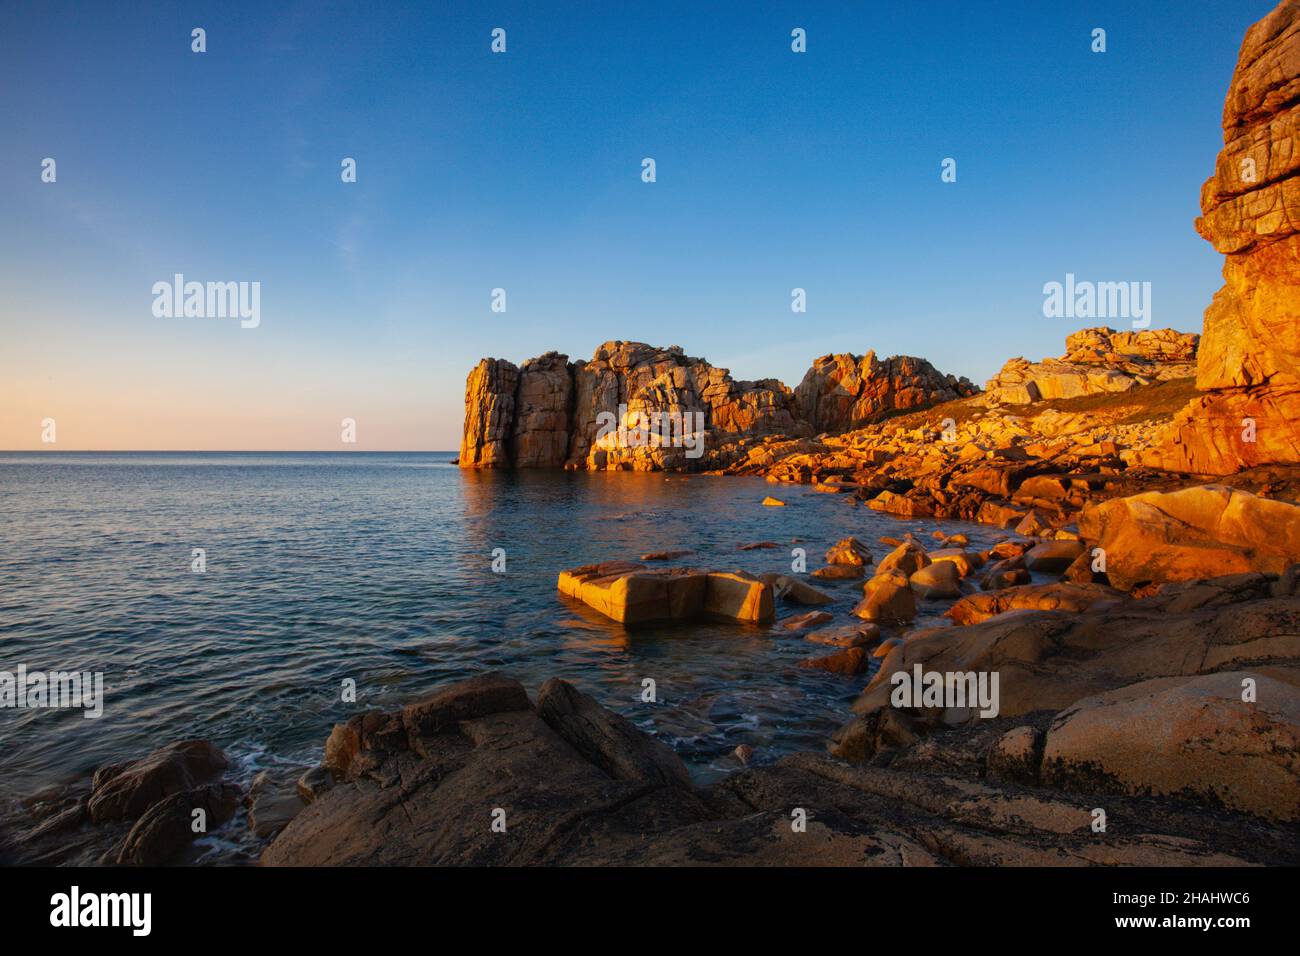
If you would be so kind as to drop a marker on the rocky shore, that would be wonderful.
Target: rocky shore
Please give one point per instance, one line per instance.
(1138, 626)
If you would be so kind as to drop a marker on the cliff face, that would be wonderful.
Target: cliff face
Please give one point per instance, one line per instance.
(637, 407)
(1249, 360)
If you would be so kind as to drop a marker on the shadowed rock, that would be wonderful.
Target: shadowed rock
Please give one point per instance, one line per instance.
(574, 784)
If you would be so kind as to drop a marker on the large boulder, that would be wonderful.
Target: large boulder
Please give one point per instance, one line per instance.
(168, 826)
(1185, 735)
(888, 599)
(124, 791)
(1199, 532)
(633, 594)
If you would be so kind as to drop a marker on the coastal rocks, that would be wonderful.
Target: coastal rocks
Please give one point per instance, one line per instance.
(935, 581)
(888, 599)
(1007, 573)
(1249, 362)
(1016, 755)
(637, 407)
(907, 558)
(543, 412)
(771, 502)
(632, 594)
(1037, 597)
(635, 595)
(849, 662)
(126, 790)
(273, 800)
(738, 597)
(849, 635)
(845, 391)
(840, 572)
(1198, 532)
(547, 775)
(167, 827)
(1185, 736)
(666, 555)
(489, 415)
(631, 407)
(804, 621)
(793, 591)
(1049, 659)
(1097, 360)
(607, 740)
(849, 551)
(570, 783)
(1053, 557)
(1208, 437)
(139, 812)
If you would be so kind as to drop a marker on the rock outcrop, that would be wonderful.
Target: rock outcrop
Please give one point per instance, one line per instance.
(1191, 692)
(843, 391)
(640, 408)
(1199, 532)
(1249, 360)
(139, 812)
(1186, 736)
(1097, 360)
(501, 781)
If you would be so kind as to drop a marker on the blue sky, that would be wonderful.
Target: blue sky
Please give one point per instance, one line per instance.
(522, 170)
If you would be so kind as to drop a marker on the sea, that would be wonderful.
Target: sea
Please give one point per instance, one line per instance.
(399, 573)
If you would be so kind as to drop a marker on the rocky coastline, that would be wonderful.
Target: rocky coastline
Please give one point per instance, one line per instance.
(1141, 615)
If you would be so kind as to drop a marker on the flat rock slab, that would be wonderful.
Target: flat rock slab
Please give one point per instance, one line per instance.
(633, 594)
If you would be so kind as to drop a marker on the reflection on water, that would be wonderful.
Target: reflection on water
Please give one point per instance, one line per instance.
(377, 567)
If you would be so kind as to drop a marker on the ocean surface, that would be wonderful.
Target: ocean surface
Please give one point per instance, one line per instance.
(378, 568)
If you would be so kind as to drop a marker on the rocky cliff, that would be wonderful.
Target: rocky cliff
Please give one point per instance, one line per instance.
(637, 407)
(1249, 360)
(841, 392)
(1097, 360)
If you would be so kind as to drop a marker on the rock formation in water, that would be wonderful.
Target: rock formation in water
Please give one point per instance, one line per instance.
(637, 407)
(1249, 361)
(1097, 360)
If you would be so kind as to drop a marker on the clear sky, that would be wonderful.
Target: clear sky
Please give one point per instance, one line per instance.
(522, 171)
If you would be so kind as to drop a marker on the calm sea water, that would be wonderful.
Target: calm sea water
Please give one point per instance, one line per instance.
(377, 567)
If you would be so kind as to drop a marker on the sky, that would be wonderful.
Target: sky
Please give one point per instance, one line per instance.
(522, 171)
